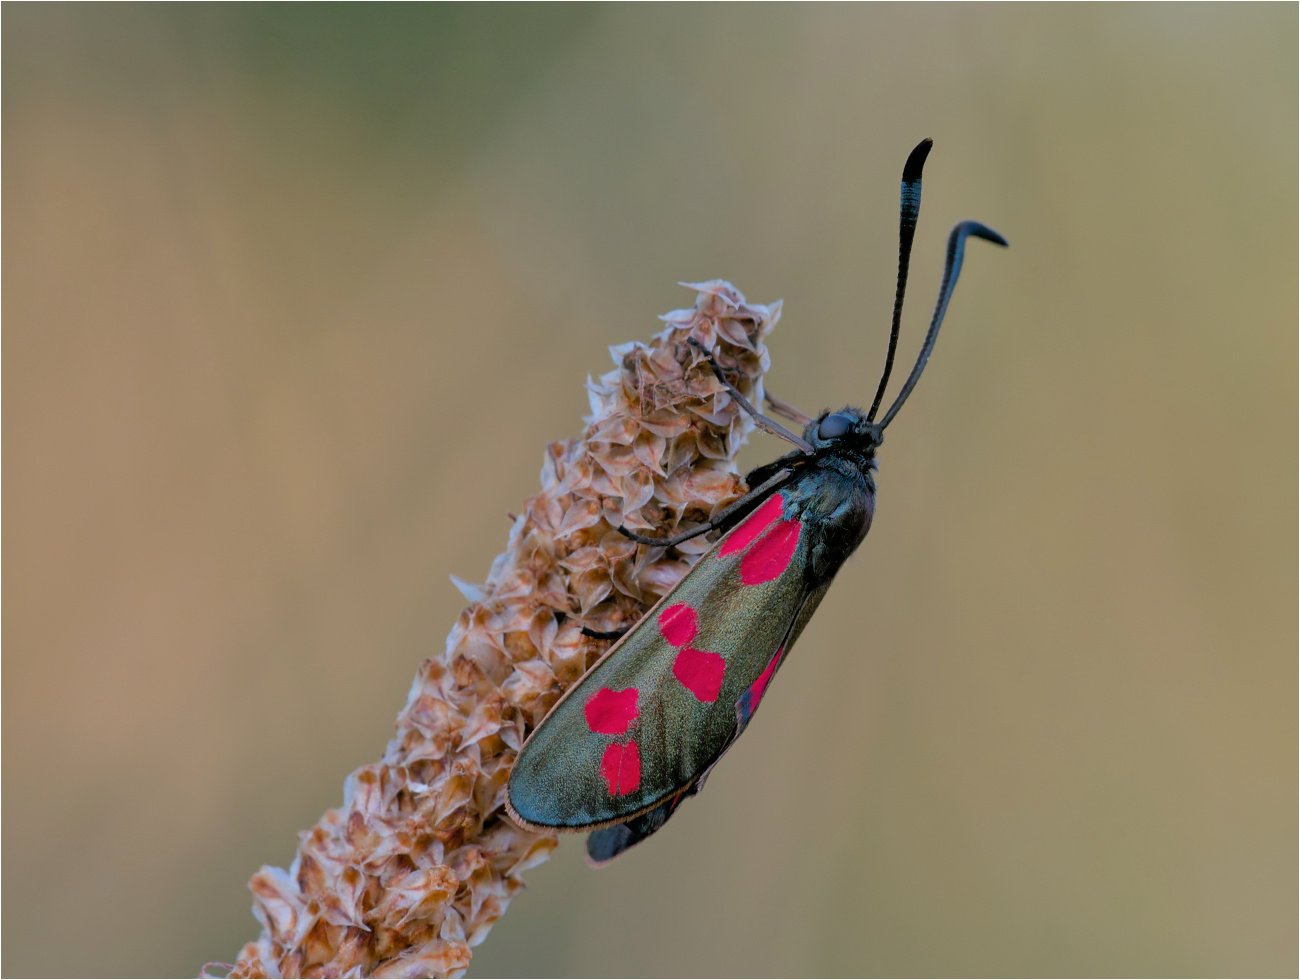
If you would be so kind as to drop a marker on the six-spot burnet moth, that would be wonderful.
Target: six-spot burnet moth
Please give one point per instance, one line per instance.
(640, 731)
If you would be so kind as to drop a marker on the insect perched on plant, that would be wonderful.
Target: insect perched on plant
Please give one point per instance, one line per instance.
(642, 729)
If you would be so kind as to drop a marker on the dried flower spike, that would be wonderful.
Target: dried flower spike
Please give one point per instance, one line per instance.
(417, 864)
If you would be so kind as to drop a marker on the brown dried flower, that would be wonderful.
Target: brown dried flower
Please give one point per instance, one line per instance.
(420, 860)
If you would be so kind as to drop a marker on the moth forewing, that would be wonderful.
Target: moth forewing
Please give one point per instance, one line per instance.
(660, 708)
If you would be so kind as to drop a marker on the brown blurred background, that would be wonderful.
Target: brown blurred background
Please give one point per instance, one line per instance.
(295, 297)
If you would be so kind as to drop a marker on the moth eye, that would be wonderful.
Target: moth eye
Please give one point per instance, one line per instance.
(834, 426)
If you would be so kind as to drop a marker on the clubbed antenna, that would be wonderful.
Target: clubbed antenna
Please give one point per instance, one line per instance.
(951, 270)
(909, 210)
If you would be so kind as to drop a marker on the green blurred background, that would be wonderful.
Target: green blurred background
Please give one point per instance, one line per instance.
(295, 297)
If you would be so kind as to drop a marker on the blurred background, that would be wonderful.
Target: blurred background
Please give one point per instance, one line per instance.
(295, 296)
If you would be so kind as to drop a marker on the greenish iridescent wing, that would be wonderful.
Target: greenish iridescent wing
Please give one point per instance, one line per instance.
(651, 717)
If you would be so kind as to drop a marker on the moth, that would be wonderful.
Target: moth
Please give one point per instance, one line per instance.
(643, 728)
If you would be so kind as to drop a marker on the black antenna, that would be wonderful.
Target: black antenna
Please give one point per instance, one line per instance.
(951, 270)
(908, 211)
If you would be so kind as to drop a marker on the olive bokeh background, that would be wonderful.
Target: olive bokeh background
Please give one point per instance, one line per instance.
(296, 295)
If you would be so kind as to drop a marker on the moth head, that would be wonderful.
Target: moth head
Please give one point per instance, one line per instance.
(847, 428)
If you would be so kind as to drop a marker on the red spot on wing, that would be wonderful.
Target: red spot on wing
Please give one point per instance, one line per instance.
(700, 673)
(769, 558)
(621, 768)
(677, 624)
(754, 525)
(610, 712)
(759, 686)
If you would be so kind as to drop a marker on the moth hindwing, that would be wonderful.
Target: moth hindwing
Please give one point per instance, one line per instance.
(640, 731)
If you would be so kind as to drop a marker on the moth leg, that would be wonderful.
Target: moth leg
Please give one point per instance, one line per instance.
(786, 410)
(761, 420)
(676, 539)
(606, 634)
(740, 507)
(718, 520)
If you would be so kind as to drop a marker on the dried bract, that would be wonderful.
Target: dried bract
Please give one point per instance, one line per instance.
(420, 860)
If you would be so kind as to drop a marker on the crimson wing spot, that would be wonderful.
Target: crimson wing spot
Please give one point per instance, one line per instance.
(677, 623)
(700, 673)
(754, 525)
(771, 555)
(610, 712)
(759, 687)
(748, 702)
(621, 768)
